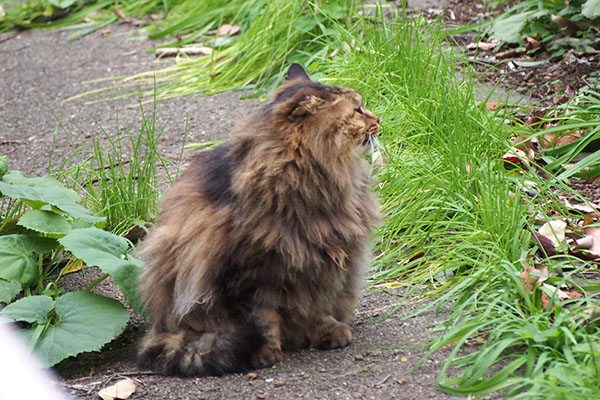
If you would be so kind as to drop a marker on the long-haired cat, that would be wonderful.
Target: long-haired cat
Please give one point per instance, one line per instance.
(262, 243)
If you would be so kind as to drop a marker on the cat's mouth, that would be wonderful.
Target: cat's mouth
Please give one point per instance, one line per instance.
(370, 136)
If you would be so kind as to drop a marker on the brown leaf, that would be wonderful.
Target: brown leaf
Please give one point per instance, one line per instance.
(560, 139)
(120, 390)
(189, 51)
(545, 244)
(531, 43)
(507, 54)
(516, 156)
(528, 280)
(487, 46)
(228, 30)
(493, 106)
(594, 232)
(119, 13)
(73, 265)
(569, 26)
(554, 230)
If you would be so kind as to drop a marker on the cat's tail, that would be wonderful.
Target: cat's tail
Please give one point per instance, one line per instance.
(189, 353)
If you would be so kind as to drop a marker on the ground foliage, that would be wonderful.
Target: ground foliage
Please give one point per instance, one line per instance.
(44, 234)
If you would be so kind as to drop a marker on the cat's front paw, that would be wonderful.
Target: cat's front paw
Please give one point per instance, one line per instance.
(336, 337)
(266, 357)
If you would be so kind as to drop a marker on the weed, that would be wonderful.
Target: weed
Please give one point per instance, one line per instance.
(43, 238)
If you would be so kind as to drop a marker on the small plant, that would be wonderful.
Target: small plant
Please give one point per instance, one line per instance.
(545, 20)
(120, 179)
(44, 232)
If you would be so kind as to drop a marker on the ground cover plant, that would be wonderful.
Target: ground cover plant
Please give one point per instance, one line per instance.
(463, 210)
(533, 24)
(45, 233)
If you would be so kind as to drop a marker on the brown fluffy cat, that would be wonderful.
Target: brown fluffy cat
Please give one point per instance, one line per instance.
(262, 243)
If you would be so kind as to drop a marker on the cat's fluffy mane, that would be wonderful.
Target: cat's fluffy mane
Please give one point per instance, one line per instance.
(263, 240)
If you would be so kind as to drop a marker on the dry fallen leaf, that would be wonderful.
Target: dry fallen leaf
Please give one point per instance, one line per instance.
(493, 106)
(560, 139)
(554, 230)
(563, 23)
(531, 43)
(120, 390)
(189, 51)
(518, 157)
(528, 280)
(228, 30)
(119, 13)
(594, 232)
(73, 265)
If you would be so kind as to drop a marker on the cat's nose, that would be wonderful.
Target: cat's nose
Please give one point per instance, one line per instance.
(373, 116)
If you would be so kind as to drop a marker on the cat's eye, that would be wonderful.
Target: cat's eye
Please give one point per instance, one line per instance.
(359, 110)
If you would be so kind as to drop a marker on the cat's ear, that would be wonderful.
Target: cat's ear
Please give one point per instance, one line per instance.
(308, 105)
(296, 72)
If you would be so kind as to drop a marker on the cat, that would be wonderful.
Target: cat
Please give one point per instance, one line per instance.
(261, 245)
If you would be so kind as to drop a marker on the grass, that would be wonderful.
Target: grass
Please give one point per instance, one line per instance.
(120, 178)
(459, 225)
(273, 34)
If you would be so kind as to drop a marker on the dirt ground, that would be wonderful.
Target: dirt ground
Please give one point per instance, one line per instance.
(39, 70)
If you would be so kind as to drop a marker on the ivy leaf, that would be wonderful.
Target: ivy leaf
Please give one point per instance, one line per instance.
(107, 251)
(45, 190)
(8, 289)
(17, 257)
(47, 222)
(83, 322)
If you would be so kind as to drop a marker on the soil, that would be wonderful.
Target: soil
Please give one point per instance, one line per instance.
(40, 70)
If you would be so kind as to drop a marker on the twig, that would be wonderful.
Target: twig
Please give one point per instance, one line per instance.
(8, 37)
(384, 380)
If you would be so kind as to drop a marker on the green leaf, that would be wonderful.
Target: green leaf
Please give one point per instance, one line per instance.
(8, 290)
(62, 3)
(17, 257)
(84, 322)
(509, 29)
(47, 222)
(107, 251)
(31, 309)
(45, 190)
(3, 165)
(591, 9)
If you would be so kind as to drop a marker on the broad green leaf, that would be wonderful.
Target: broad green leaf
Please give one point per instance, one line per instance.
(509, 29)
(46, 222)
(107, 251)
(45, 190)
(8, 290)
(95, 246)
(591, 9)
(84, 322)
(62, 3)
(17, 259)
(3, 166)
(31, 309)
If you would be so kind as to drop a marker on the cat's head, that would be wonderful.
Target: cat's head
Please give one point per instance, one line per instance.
(329, 115)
